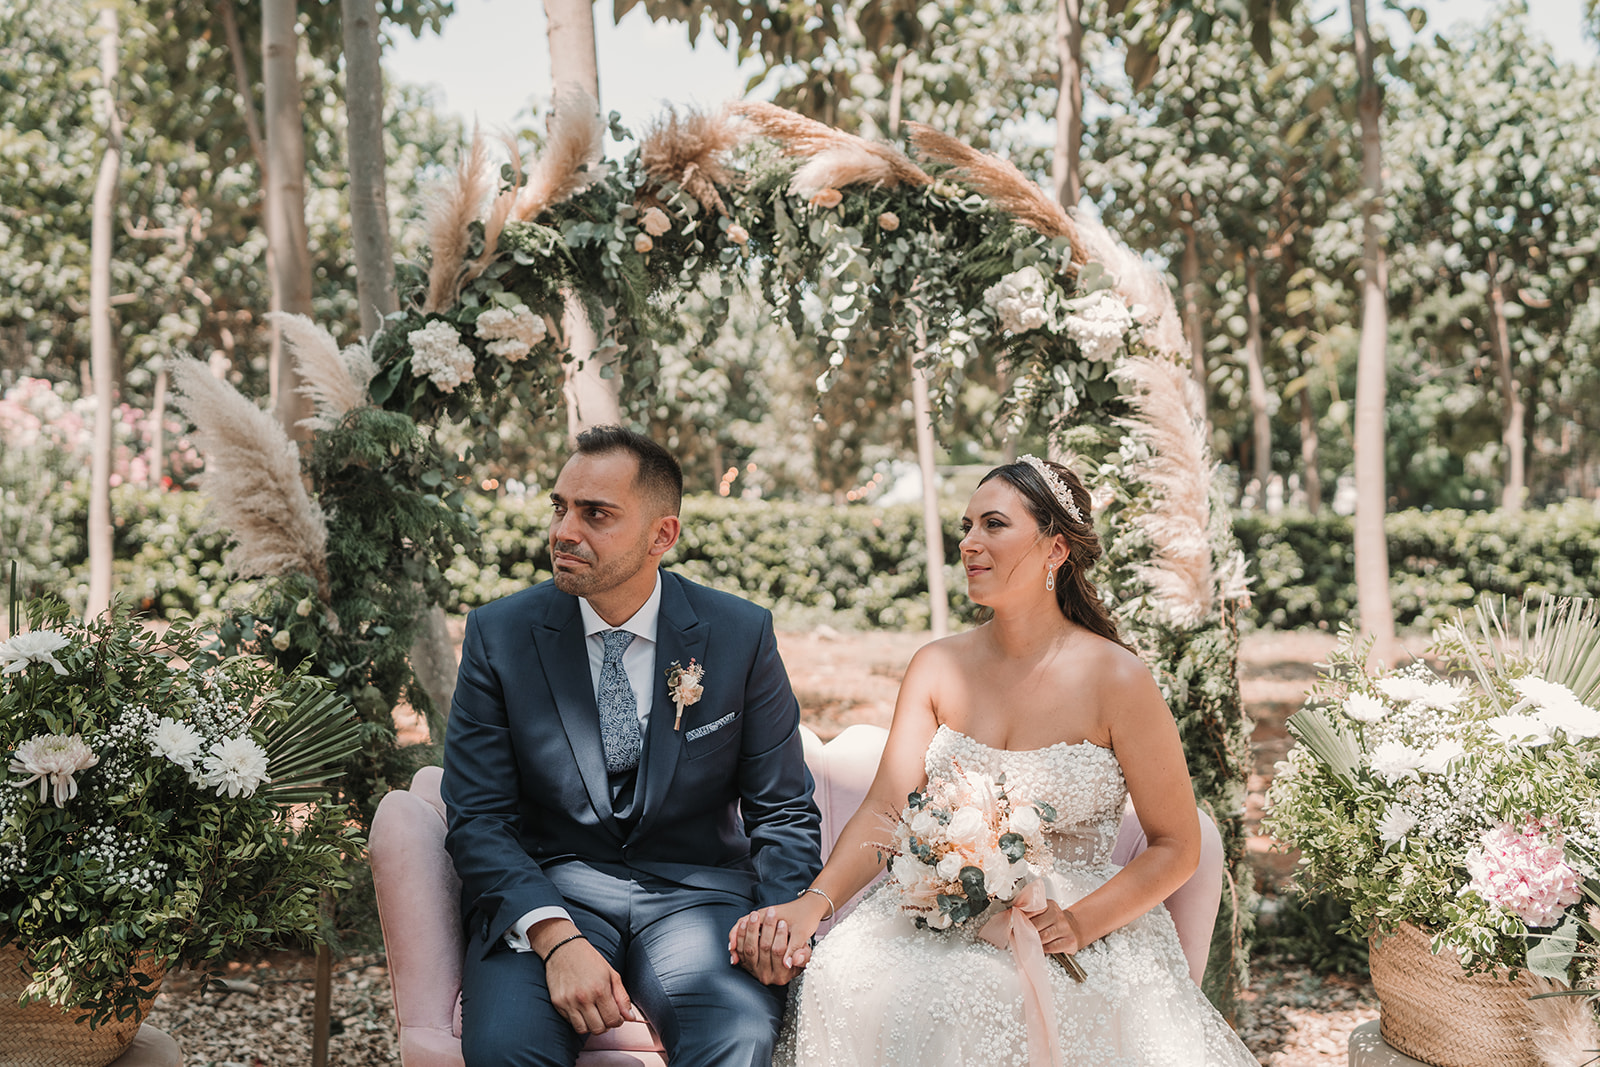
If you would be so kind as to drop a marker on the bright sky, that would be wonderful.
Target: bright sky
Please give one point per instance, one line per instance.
(493, 59)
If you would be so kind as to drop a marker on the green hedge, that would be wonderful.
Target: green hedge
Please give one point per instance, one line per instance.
(861, 566)
(1439, 562)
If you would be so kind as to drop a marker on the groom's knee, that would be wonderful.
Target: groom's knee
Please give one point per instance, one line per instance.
(728, 1020)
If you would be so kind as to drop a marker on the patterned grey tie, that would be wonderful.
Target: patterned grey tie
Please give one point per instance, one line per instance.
(619, 711)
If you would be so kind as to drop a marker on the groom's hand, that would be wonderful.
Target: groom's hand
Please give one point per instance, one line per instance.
(762, 944)
(583, 987)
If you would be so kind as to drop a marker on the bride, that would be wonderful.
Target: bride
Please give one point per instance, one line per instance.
(1046, 693)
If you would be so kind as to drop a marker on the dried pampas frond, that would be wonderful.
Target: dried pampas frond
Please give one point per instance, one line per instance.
(1140, 285)
(1177, 468)
(452, 207)
(252, 481)
(499, 213)
(1563, 1028)
(691, 151)
(335, 382)
(998, 179)
(838, 159)
(576, 142)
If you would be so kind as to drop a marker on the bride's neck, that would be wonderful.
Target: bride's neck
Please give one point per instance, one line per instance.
(1022, 633)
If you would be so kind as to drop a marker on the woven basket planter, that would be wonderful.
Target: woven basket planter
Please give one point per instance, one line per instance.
(42, 1035)
(1435, 1012)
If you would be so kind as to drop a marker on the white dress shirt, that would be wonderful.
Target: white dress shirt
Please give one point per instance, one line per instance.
(638, 663)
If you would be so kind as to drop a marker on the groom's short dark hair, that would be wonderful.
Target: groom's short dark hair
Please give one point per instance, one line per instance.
(659, 476)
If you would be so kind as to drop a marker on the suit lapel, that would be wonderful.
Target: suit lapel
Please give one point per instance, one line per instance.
(565, 657)
(680, 637)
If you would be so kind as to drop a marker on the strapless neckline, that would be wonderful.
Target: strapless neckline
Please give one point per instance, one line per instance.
(947, 728)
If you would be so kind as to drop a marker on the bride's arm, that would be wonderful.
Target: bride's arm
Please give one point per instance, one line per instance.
(1145, 740)
(855, 860)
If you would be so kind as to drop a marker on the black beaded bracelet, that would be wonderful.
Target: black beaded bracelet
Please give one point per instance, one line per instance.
(564, 941)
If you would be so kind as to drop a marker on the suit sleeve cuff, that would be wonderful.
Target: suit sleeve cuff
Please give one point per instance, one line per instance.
(517, 937)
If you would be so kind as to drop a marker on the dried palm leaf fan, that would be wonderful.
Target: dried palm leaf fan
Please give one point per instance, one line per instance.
(1559, 640)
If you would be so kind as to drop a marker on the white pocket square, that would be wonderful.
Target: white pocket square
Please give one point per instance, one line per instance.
(710, 727)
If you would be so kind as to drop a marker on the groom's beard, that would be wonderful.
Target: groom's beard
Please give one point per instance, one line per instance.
(597, 577)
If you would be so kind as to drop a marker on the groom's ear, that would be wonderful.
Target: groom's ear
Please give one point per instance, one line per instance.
(665, 534)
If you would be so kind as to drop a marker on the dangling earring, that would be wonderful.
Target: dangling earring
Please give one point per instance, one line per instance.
(1049, 578)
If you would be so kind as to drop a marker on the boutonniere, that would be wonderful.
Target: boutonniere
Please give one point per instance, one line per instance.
(684, 685)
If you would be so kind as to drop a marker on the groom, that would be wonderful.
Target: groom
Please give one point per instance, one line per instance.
(609, 826)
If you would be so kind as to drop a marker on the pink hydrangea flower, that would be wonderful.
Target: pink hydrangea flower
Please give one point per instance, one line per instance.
(1523, 869)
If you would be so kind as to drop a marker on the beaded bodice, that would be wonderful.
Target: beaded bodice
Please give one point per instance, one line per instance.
(1082, 781)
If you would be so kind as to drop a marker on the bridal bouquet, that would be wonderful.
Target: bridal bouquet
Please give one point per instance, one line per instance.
(1464, 799)
(157, 806)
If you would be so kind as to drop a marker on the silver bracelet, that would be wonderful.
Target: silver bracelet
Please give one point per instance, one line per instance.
(813, 889)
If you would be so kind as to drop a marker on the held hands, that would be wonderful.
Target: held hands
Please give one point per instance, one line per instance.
(584, 988)
(774, 943)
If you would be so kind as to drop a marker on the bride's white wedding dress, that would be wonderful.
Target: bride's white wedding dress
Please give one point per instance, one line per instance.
(880, 991)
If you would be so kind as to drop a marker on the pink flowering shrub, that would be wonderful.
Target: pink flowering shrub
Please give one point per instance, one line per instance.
(1523, 869)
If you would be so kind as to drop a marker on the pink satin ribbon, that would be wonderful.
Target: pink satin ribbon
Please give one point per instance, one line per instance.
(1014, 928)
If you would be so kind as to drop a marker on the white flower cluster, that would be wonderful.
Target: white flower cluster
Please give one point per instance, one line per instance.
(234, 765)
(122, 861)
(511, 332)
(32, 646)
(1018, 300)
(1100, 325)
(13, 848)
(438, 355)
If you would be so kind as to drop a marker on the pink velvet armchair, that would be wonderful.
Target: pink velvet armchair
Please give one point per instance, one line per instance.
(417, 895)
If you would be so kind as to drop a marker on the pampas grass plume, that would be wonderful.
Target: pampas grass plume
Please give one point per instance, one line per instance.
(1001, 182)
(837, 159)
(452, 207)
(1564, 1029)
(252, 481)
(335, 382)
(690, 150)
(571, 157)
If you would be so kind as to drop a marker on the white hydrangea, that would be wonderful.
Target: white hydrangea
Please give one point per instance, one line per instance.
(236, 766)
(1364, 707)
(511, 332)
(438, 354)
(1101, 326)
(1018, 300)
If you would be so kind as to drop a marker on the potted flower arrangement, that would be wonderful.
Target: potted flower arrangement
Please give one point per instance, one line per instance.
(159, 807)
(1457, 810)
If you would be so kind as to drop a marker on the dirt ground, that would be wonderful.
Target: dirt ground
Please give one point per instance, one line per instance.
(1292, 1017)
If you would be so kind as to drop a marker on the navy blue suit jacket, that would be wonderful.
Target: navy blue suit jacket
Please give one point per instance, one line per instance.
(524, 771)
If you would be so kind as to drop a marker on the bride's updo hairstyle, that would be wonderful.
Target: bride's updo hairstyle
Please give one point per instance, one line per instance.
(1076, 595)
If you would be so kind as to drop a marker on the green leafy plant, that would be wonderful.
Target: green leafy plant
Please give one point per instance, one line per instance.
(161, 807)
(1463, 802)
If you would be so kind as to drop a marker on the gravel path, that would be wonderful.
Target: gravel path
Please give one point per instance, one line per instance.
(1290, 1018)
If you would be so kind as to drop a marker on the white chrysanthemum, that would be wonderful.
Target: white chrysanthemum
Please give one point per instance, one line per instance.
(1437, 758)
(34, 646)
(1364, 707)
(438, 354)
(52, 760)
(1558, 707)
(1522, 730)
(1100, 328)
(177, 741)
(1394, 760)
(1396, 823)
(511, 332)
(236, 766)
(1414, 689)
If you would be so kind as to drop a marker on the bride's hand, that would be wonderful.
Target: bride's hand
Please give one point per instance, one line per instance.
(773, 943)
(1056, 929)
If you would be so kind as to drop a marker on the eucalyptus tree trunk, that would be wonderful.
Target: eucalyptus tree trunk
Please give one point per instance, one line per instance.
(1193, 328)
(1255, 368)
(286, 169)
(1513, 411)
(1310, 447)
(593, 387)
(269, 200)
(102, 357)
(1069, 102)
(369, 205)
(156, 467)
(1371, 545)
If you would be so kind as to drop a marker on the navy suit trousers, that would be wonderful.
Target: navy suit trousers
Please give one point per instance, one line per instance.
(670, 944)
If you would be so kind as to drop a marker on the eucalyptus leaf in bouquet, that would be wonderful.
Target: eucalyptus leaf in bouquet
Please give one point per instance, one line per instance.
(160, 806)
(1462, 798)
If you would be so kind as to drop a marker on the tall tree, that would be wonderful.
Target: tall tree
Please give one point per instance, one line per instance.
(1069, 102)
(1373, 602)
(369, 206)
(102, 352)
(286, 169)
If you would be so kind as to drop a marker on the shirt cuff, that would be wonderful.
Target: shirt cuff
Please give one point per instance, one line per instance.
(517, 937)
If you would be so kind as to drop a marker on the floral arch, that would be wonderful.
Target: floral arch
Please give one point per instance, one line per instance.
(925, 262)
